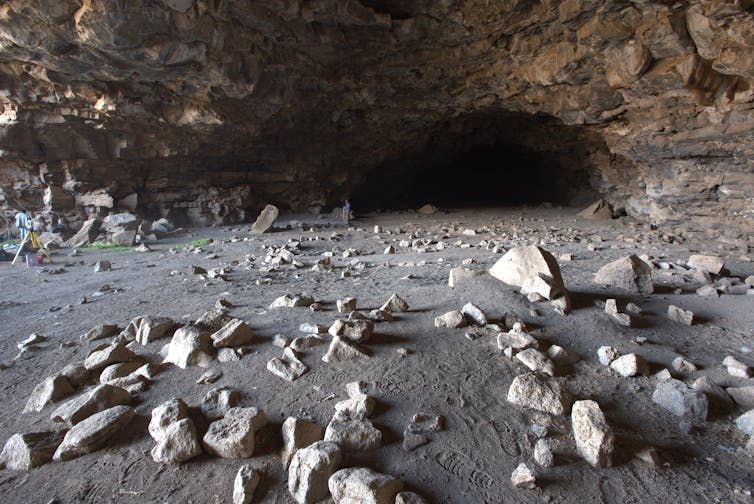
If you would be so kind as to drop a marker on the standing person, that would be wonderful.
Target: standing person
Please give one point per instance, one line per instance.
(23, 222)
(347, 213)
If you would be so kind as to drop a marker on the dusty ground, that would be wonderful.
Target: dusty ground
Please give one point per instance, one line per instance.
(445, 373)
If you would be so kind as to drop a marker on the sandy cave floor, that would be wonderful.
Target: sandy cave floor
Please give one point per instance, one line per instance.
(445, 373)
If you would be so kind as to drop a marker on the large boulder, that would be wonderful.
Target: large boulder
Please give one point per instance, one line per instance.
(91, 434)
(299, 433)
(178, 443)
(533, 270)
(310, 470)
(360, 485)
(190, 346)
(536, 391)
(594, 437)
(233, 435)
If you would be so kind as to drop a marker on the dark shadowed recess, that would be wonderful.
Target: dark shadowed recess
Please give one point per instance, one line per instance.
(506, 159)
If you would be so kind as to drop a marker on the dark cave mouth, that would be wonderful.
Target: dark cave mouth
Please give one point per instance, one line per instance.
(497, 175)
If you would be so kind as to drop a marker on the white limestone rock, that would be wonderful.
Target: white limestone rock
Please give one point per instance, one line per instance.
(517, 338)
(233, 435)
(523, 477)
(50, 390)
(98, 399)
(535, 391)
(287, 367)
(607, 354)
(737, 368)
(148, 329)
(630, 365)
(245, 484)
(685, 317)
(165, 415)
(353, 434)
(709, 263)
(217, 401)
(595, 440)
(459, 275)
(628, 273)
(265, 220)
(299, 433)
(178, 443)
(410, 498)
(358, 331)
(92, 433)
(363, 486)
(536, 361)
(453, 319)
(310, 471)
(532, 269)
(105, 355)
(346, 305)
(679, 399)
(234, 333)
(395, 304)
(190, 346)
(343, 350)
(27, 451)
(474, 314)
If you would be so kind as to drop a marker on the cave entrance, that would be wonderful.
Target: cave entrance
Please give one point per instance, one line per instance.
(491, 160)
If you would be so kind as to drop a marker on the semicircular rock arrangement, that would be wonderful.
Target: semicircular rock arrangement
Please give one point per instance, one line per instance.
(203, 111)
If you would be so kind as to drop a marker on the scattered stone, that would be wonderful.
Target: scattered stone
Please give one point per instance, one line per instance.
(76, 373)
(148, 329)
(280, 341)
(217, 401)
(190, 346)
(517, 339)
(346, 305)
(523, 477)
(304, 343)
(683, 365)
(343, 350)
(595, 441)
(362, 485)
(292, 301)
(100, 398)
(209, 376)
(537, 392)
(50, 390)
(648, 455)
(412, 440)
(708, 263)
(708, 291)
(600, 209)
(380, 316)
(682, 401)
(427, 209)
(165, 415)
(536, 361)
(233, 435)
(458, 275)
(395, 304)
(26, 451)
(265, 220)
(533, 269)
(309, 328)
(744, 396)
(562, 357)
(287, 367)
(100, 266)
(178, 443)
(357, 331)
(105, 355)
(453, 320)
(628, 273)
(630, 365)
(115, 372)
(714, 392)
(101, 332)
(310, 471)
(92, 433)
(353, 434)
(245, 484)
(475, 314)
(607, 354)
(410, 498)
(299, 433)
(234, 333)
(681, 316)
(737, 368)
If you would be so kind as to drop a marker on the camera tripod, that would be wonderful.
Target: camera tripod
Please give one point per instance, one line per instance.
(33, 238)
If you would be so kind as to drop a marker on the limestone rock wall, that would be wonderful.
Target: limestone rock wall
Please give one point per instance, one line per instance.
(209, 108)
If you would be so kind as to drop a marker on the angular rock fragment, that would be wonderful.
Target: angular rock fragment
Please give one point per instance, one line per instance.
(714, 392)
(595, 441)
(245, 484)
(105, 355)
(292, 301)
(536, 361)
(413, 440)
(310, 471)
(287, 367)
(628, 273)
(343, 350)
(532, 269)
(561, 356)
(234, 333)
(607, 354)
(233, 435)
(119, 370)
(410, 498)
(677, 398)
(474, 314)
(165, 415)
(453, 319)
(190, 346)
(52, 389)
(523, 477)
(101, 332)
(213, 320)
(303, 343)
(353, 434)
(102, 266)
(178, 443)
(395, 304)
(265, 220)
(148, 329)
(33, 449)
(458, 275)
(92, 433)
(737, 368)
(537, 392)
(685, 317)
(683, 365)
(362, 485)
(358, 331)
(299, 433)
(76, 373)
(743, 396)
(346, 305)
(98, 399)
(217, 401)
(600, 209)
(708, 263)
(630, 365)
(516, 338)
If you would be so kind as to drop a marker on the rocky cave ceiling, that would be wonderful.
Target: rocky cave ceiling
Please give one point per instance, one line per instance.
(209, 108)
